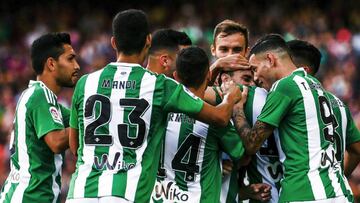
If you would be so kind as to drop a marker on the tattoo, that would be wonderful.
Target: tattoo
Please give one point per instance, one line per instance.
(252, 138)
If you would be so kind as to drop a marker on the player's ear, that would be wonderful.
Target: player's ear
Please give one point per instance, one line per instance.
(271, 59)
(163, 60)
(113, 44)
(50, 64)
(148, 41)
(212, 48)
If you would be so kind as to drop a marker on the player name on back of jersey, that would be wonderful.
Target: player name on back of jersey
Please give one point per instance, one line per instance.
(180, 117)
(121, 84)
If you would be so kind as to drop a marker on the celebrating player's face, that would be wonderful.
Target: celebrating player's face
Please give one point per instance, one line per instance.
(67, 68)
(263, 75)
(230, 44)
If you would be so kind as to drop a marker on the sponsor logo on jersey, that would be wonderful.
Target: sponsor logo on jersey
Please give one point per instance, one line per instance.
(168, 191)
(56, 115)
(14, 176)
(116, 165)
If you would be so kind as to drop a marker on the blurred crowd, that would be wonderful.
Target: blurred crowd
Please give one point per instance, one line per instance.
(332, 26)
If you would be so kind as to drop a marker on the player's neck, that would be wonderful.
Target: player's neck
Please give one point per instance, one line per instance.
(287, 68)
(50, 83)
(152, 66)
(199, 92)
(135, 58)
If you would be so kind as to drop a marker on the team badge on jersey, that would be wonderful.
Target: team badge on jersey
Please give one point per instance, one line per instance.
(56, 115)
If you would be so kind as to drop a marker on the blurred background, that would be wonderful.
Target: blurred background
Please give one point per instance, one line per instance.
(332, 26)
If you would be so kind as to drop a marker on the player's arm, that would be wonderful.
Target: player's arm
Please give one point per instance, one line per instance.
(351, 161)
(252, 137)
(229, 63)
(57, 140)
(352, 157)
(73, 140)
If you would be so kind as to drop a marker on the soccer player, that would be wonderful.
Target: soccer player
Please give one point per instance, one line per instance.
(230, 47)
(300, 109)
(118, 119)
(307, 56)
(40, 125)
(191, 166)
(165, 45)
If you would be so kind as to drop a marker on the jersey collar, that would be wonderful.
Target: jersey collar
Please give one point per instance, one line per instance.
(34, 82)
(125, 64)
(300, 70)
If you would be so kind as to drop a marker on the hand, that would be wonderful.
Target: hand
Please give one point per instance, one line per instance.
(232, 62)
(227, 166)
(231, 90)
(259, 191)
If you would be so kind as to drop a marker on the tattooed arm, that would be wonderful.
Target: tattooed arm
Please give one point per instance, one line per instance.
(252, 138)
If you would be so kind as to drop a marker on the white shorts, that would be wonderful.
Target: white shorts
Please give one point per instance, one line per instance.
(340, 199)
(109, 199)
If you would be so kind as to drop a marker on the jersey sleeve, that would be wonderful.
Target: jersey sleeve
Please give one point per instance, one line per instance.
(352, 132)
(178, 98)
(65, 112)
(230, 142)
(46, 117)
(277, 105)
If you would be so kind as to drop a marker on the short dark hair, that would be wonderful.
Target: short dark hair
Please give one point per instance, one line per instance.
(130, 29)
(230, 27)
(270, 42)
(168, 39)
(46, 46)
(192, 65)
(305, 54)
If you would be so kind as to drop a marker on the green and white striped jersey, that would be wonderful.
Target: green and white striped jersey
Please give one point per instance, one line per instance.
(120, 112)
(310, 139)
(265, 166)
(35, 174)
(191, 168)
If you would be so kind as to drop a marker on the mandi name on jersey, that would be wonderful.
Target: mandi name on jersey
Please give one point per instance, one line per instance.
(128, 84)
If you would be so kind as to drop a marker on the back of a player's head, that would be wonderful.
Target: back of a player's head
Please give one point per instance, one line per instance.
(305, 54)
(229, 27)
(46, 46)
(130, 29)
(270, 42)
(168, 39)
(192, 66)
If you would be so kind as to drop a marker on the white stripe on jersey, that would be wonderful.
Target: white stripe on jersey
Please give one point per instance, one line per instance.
(91, 85)
(199, 130)
(58, 160)
(314, 142)
(225, 187)
(171, 145)
(22, 147)
(344, 124)
(106, 177)
(133, 175)
(7, 186)
(263, 162)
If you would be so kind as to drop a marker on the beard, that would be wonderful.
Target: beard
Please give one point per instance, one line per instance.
(66, 82)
